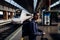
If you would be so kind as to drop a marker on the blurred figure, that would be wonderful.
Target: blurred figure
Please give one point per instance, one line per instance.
(30, 28)
(34, 31)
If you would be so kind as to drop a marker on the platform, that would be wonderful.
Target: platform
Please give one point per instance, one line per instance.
(3, 22)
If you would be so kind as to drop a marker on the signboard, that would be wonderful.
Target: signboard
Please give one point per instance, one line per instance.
(46, 18)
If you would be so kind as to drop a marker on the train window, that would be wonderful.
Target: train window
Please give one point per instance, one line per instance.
(28, 14)
(17, 15)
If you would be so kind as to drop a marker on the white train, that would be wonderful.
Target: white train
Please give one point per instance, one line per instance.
(22, 17)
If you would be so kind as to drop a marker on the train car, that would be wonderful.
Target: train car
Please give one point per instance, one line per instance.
(20, 18)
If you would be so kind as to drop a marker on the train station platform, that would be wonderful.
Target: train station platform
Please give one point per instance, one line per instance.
(16, 35)
(3, 22)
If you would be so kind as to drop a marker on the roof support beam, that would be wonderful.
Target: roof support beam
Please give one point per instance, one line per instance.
(55, 4)
(4, 8)
(15, 4)
(58, 2)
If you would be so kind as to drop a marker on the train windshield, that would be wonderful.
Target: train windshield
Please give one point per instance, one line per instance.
(17, 15)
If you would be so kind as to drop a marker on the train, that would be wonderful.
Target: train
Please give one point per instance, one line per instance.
(20, 18)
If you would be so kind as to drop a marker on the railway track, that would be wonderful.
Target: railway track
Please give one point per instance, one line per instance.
(7, 29)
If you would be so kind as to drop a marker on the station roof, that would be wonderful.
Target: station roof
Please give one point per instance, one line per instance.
(53, 1)
(56, 7)
(27, 4)
(4, 3)
(44, 4)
